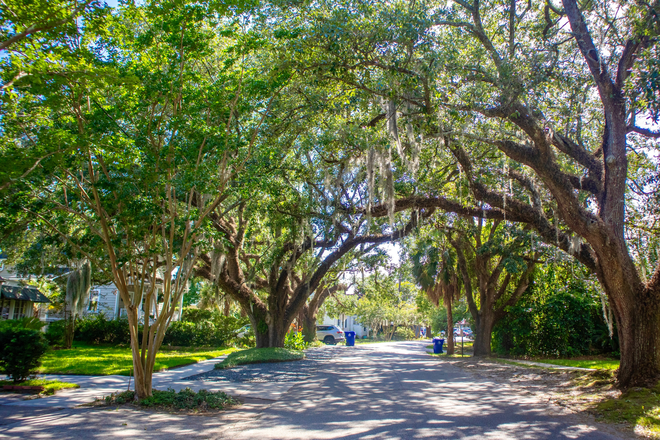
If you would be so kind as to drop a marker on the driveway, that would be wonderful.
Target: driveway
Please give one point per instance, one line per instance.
(374, 391)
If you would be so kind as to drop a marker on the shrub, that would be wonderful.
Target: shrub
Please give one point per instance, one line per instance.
(29, 323)
(404, 334)
(20, 351)
(55, 332)
(295, 341)
(204, 328)
(204, 334)
(184, 399)
(98, 329)
(192, 314)
(557, 324)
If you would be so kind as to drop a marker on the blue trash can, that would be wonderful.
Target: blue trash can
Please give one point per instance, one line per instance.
(437, 345)
(350, 338)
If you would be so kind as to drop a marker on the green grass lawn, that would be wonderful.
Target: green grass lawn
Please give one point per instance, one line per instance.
(50, 386)
(600, 364)
(104, 360)
(260, 355)
(639, 406)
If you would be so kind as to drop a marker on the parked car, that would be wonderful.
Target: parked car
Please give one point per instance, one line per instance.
(329, 334)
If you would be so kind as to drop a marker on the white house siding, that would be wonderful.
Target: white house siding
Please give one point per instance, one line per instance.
(106, 297)
(111, 305)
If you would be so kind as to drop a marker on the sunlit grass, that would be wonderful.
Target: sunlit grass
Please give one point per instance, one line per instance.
(50, 386)
(600, 364)
(103, 360)
(260, 355)
(639, 406)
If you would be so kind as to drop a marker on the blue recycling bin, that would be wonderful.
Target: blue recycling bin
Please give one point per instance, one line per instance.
(350, 338)
(437, 345)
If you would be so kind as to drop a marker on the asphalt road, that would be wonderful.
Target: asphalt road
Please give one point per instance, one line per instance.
(374, 391)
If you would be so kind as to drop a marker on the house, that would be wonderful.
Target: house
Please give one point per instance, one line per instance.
(18, 301)
(347, 323)
(105, 299)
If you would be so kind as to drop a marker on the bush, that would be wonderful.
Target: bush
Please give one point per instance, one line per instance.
(562, 323)
(295, 341)
(204, 328)
(404, 334)
(29, 323)
(20, 351)
(204, 334)
(99, 330)
(55, 332)
(184, 399)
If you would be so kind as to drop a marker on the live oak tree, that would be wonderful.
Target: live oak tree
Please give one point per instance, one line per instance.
(540, 106)
(273, 273)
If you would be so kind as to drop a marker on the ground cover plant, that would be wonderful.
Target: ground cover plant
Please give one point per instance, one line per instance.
(49, 386)
(260, 355)
(104, 360)
(185, 399)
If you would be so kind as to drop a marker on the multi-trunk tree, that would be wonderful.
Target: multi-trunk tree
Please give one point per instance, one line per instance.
(273, 277)
(159, 117)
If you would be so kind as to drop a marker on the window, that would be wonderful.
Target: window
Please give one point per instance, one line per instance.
(20, 309)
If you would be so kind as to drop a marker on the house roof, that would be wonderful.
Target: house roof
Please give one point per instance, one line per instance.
(22, 293)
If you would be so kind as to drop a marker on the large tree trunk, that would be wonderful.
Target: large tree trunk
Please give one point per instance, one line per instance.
(308, 321)
(638, 327)
(484, 332)
(450, 328)
(69, 331)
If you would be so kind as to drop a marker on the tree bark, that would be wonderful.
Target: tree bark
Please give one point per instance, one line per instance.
(483, 334)
(638, 327)
(308, 321)
(450, 327)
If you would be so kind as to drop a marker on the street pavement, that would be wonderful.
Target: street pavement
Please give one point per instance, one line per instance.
(373, 391)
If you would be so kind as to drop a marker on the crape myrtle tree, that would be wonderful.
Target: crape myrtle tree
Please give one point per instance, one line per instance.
(540, 105)
(160, 109)
(34, 34)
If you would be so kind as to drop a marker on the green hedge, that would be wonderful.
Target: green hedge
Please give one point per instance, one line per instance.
(199, 328)
(20, 351)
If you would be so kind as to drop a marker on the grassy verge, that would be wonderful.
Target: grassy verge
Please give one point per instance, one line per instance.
(50, 386)
(260, 355)
(465, 351)
(103, 360)
(600, 364)
(640, 407)
(185, 399)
